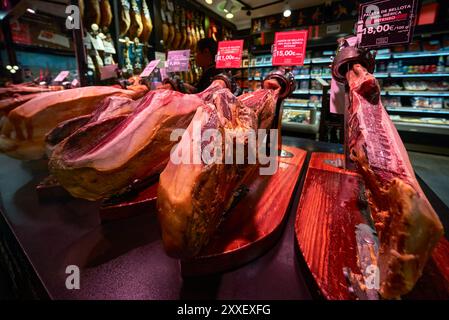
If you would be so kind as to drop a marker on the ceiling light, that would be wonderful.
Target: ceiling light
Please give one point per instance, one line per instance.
(287, 12)
(8, 67)
(229, 15)
(228, 6)
(12, 71)
(31, 10)
(209, 1)
(15, 68)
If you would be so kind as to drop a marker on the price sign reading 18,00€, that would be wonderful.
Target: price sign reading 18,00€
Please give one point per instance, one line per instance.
(289, 48)
(383, 23)
(229, 54)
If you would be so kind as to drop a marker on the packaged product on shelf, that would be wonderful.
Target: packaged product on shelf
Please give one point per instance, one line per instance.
(391, 85)
(446, 103)
(438, 85)
(414, 46)
(267, 60)
(315, 85)
(446, 42)
(296, 116)
(316, 71)
(392, 102)
(399, 48)
(420, 102)
(304, 70)
(303, 84)
(431, 45)
(433, 120)
(326, 71)
(415, 85)
(436, 103)
(315, 100)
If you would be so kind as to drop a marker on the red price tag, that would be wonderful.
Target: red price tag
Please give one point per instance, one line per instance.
(229, 54)
(289, 48)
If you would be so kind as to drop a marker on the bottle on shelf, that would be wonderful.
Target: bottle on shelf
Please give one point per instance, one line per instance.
(441, 66)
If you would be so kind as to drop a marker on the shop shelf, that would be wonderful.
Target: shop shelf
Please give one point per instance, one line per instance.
(294, 104)
(416, 75)
(420, 54)
(321, 60)
(381, 75)
(418, 93)
(327, 76)
(383, 56)
(301, 91)
(418, 110)
(317, 92)
(422, 127)
(302, 76)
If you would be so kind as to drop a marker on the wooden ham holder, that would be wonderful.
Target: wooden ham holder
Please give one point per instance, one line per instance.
(255, 224)
(128, 204)
(329, 210)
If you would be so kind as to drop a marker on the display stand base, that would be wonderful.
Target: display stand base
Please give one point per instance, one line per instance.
(139, 202)
(328, 212)
(49, 189)
(254, 225)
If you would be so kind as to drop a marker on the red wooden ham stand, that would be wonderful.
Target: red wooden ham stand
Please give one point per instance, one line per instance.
(327, 215)
(255, 223)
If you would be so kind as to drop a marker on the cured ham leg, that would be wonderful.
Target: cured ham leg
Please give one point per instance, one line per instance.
(106, 14)
(92, 13)
(107, 155)
(109, 107)
(147, 23)
(125, 19)
(23, 135)
(136, 26)
(407, 226)
(192, 196)
(8, 104)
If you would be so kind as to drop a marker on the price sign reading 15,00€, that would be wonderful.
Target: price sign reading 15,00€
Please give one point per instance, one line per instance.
(289, 48)
(229, 54)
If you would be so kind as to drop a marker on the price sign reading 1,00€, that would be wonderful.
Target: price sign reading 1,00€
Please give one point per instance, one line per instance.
(229, 54)
(289, 48)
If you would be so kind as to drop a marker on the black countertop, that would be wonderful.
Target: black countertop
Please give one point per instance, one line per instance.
(124, 259)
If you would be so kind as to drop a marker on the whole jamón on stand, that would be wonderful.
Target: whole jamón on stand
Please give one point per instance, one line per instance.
(384, 194)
